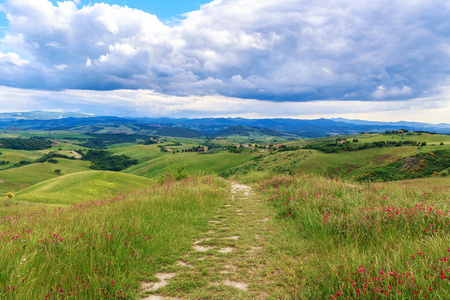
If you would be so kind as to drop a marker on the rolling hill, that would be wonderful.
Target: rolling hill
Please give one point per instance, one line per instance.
(196, 163)
(17, 179)
(83, 186)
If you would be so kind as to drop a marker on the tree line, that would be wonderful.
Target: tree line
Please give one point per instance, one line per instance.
(344, 145)
(25, 144)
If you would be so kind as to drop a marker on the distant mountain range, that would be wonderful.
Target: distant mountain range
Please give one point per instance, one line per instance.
(206, 126)
(41, 115)
(240, 130)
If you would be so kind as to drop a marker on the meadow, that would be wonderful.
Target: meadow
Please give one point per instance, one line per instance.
(345, 164)
(366, 241)
(10, 157)
(103, 248)
(17, 179)
(196, 163)
(82, 186)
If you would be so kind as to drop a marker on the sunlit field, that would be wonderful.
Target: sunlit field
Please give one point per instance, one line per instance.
(365, 241)
(103, 249)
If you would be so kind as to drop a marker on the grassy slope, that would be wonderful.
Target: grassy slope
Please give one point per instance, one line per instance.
(104, 249)
(82, 186)
(428, 138)
(17, 179)
(344, 164)
(386, 240)
(350, 164)
(15, 156)
(208, 163)
(142, 153)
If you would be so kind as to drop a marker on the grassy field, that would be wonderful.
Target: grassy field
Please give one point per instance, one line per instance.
(385, 241)
(15, 156)
(350, 164)
(103, 249)
(17, 179)
(196, 163)
(344, 165)
(435, 139)
(83, 186)
(142, 153)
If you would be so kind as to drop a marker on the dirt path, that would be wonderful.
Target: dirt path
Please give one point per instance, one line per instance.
(232, 260)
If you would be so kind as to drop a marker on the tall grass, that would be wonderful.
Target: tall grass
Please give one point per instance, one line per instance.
(102, 249)
(364, 241)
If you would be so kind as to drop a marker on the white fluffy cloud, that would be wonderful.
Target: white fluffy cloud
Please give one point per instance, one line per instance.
(278, 50)
(12, 59)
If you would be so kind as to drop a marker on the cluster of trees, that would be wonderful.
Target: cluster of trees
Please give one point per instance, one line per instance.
(105, 160)
(3, 162)
(288, 148)
(399, 131)
(195, 149)
(150, 141)
(22, 163)
(234, 149)
(102, 140)
(348, 146)
(25, 144)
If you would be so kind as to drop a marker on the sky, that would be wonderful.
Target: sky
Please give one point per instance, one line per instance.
(385, 60)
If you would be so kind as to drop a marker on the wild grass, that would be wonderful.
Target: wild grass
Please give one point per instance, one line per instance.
(364, 241)
(346, 164)
(103, 249)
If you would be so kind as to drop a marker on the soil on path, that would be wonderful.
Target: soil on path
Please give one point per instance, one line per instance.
(232, 260)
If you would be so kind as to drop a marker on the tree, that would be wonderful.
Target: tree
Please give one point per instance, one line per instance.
(10, 195)
(57, 171)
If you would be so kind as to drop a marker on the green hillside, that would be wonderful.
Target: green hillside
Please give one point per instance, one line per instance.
(208, 163)
(16, 179)
(344, 164)
(9, 157)
(82, 186)
(423, 137)
(422, 165)
(142, 153)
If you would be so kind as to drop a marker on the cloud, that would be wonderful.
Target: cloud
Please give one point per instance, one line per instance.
(60, 67)
(146, 103)
(394, 92)
(12, 58)
(288, 50)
